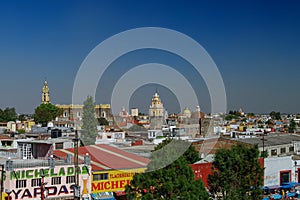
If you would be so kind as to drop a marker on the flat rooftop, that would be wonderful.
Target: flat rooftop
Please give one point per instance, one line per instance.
(273, 139)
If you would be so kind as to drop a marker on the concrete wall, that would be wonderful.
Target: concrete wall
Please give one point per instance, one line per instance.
(273, 167)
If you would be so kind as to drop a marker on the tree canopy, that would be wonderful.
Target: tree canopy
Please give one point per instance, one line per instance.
(102, 121)
(275, 115)
(230, 117)
(292, 126)
(45, 113)
(234, 112)
(8, 114)
(89, 122)
(236, 173)
(174, 181)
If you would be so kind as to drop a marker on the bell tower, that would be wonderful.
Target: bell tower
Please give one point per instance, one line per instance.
(156, 107)
(156, 112)
(45, 93)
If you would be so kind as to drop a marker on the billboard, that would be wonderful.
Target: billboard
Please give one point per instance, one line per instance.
(113, 180)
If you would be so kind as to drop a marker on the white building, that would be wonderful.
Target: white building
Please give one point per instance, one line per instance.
(276, 145)
(110, 137)
(279, 170)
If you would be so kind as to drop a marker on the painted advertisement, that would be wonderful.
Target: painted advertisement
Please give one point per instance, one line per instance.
(113, 180)
(26, 183)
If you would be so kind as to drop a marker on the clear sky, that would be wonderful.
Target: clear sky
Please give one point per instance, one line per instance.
(255, 45)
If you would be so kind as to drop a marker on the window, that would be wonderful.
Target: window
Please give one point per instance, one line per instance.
(70, 179)
(118, 135)
(291, 149)
(59, 145)
(25, 151)
(104, 114)
(21, 183)
(273, 152)
(36, 182)
(282, 150)
(55, 180)
(285, 176)
(98, 177)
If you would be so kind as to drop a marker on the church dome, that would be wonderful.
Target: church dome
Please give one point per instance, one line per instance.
(187, 113)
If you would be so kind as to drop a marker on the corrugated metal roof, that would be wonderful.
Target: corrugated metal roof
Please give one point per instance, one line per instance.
(106, 157)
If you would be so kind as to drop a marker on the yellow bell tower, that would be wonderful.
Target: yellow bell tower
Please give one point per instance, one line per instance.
(156, 112)
(156, 107)
(45, 93)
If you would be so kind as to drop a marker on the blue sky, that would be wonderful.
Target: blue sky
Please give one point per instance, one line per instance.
(255, 45)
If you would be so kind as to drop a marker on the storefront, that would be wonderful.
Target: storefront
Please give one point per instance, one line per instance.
(57, 183)
(110, 184)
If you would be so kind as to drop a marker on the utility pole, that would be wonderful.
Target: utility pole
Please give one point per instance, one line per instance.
(42, 184)
(263, 140)
(296, 171)
(200, 124)
(263, 143)
(2, 170)
(76, 187)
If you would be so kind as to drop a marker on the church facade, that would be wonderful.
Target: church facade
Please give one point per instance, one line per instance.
(72, 112)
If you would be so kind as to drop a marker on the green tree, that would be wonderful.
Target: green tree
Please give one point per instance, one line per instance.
(45, 113)
(264, 154)
(292, 126)
(251, 115)
(22, 117)
(229, 117)
(1, 115)
(275, 115)
(236, 113)
(236, 173)
(89, 122)
(8, 114)
(102, 121)
(174, 181)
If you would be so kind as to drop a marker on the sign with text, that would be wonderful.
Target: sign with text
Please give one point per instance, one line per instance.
(113, 180)
(25, 183)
